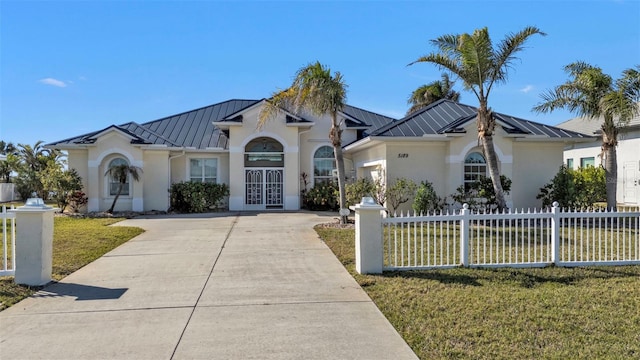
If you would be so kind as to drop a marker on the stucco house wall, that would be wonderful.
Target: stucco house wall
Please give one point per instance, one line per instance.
(431, 144)
(628, 154)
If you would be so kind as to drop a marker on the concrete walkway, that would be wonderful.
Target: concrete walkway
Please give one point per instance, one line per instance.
(248, 286)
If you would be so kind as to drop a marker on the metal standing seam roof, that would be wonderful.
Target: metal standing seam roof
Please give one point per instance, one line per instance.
(446, 116)
(591, 126)
(195, 128)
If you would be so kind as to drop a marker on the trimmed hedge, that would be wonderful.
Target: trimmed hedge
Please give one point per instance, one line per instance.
(197, 197)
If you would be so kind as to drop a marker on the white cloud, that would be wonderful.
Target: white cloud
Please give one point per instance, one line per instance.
(526, 89)
(53, 82)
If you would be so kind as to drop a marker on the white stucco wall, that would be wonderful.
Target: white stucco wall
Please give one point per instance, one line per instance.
(534, 165)
(156, 180)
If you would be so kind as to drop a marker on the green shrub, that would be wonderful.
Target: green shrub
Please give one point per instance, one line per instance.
(580, 188)
(480, 194)
(321, 197)
(426, 199)
(357, 190)
(197, 197)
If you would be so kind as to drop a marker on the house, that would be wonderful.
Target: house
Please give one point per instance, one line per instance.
(263, 165)
(590, 154)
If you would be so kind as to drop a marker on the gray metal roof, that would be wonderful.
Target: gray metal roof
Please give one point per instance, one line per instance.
(446, 116)
(591, 126)
(195, 128)
(366, 118)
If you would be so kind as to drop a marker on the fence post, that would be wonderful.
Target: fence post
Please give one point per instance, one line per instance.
(369, 253)
(34, 243)
(555, 233)
(464, 235)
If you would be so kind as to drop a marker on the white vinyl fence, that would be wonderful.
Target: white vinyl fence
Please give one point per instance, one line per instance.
(505, 239)
(8, 260)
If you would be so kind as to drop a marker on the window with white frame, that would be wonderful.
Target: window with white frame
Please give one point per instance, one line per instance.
(324, 164)
(588, 161)
(475, 167)
(114, 183)
(203, 170)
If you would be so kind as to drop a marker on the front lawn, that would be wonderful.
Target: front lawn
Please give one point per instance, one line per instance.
(76, 243)
(554, 313)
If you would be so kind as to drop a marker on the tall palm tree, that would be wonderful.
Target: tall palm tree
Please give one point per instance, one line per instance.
(315, 89)
(432, 92)
(121, 174)
(480, 65)
(591, 93)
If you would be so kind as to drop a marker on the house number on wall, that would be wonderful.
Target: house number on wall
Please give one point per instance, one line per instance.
(403, 155)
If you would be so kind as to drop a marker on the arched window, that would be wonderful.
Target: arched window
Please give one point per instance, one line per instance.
(264, 152)
(475, 167)
(114, 183)
(324, 164)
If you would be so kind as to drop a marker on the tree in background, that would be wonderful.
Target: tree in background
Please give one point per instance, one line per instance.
(121, 174)
(11, 162)
(592, 94)
(480, 65)
(316, 90)
(432, 92)
(30, 167)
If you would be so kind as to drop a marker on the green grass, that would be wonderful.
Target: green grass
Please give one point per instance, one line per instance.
(550, 313)
(76, 243)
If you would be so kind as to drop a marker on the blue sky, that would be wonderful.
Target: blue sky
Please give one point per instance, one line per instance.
(70, 67)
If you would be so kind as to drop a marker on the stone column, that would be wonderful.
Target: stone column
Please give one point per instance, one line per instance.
(34, 243)
(369, 249)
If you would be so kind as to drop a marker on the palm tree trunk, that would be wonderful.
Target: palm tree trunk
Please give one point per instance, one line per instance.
(486, 125)
(335, 136)
(609, 143)
(494, 172)
(113, 205)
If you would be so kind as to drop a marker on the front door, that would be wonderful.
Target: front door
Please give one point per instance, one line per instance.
(631, 183)
(264, 189)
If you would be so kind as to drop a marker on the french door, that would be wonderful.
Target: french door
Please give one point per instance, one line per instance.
(264, 188)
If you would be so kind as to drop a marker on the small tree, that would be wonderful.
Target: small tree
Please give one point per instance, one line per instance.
(62, 184)
(400, 192)
(121, 174)
(427, 200)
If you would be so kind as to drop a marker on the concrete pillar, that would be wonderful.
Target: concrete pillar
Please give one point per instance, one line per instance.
(369, 249)
(34, 243)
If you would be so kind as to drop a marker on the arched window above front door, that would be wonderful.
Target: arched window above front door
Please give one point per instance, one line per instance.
(475, 167)
(264, 152)
(324, 164)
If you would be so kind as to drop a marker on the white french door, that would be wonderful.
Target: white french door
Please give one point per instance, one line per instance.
(264, 188)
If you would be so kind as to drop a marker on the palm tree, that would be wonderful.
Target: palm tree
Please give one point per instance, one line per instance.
(121, 174)
(10, 163)
(593, 94)
(315, 89)
(473, 58)
(432, 92)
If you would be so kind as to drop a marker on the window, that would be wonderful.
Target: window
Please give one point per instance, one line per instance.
(324, 164)
(113, 181)
(203, 170)
(570, 163)
(586, 162)
(264, 152)
(475, 167)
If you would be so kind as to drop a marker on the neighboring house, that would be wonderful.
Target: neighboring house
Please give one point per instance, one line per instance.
(590, 154)
(222, 143)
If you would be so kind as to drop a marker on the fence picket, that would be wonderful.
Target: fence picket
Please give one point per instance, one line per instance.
(521, 238)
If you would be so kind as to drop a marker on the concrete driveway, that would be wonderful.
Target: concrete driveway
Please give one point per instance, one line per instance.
(223, 286)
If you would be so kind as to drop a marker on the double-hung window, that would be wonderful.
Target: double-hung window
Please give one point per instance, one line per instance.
(203, 170)
(324, 165)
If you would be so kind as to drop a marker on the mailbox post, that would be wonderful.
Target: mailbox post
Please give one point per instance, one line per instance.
(34, 243)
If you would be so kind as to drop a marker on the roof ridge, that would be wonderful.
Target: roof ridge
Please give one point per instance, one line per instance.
(153, 132)
(199, 108)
